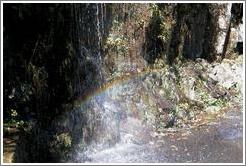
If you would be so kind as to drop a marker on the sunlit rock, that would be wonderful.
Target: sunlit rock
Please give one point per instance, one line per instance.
(223, 22)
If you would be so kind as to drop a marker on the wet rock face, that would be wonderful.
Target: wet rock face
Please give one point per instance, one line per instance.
(194, 32)
(237, 13)
(214, 31)
(194, 40)
(223, 22)
(230, 29)
(68, 52)
(237, 28)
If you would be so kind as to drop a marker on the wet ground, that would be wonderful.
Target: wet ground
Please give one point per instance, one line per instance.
(216, 139)
(9, 143)
(220, 141)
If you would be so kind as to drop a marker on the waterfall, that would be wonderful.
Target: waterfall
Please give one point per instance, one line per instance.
(98, 31)
(99, 43)
(102, 13)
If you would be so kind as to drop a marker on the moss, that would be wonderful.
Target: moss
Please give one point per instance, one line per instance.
(158, 33)
(60, 146)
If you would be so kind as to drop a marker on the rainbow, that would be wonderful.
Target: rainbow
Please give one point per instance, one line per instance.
(90, 93)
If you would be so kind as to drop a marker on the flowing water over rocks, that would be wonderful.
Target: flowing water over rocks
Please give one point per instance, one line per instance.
(129, 131)
(218, 141)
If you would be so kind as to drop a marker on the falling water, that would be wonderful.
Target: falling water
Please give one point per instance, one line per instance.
(102, 13)
(110, 119)
(99, 43)
(102, 114)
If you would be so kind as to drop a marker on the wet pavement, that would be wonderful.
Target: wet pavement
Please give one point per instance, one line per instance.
(220, 141)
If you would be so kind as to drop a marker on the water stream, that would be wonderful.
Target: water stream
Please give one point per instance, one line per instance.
(127, 137)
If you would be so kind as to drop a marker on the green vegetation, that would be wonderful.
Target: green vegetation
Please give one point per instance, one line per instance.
(61, 144)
